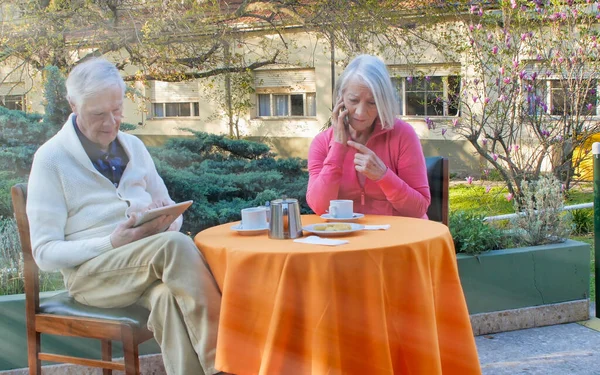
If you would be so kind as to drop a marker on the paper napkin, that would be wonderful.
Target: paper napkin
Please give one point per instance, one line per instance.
(376, 227)
(315, 240)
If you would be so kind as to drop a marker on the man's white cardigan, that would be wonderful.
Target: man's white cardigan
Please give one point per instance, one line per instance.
(73, 208)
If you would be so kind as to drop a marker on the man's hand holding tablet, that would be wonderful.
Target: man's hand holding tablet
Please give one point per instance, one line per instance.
(143, 224)
(174, 209)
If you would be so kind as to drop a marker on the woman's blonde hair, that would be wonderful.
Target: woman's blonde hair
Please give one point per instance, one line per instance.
(374, 74)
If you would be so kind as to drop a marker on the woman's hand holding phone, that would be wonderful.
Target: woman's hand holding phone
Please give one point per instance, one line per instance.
(339, 121)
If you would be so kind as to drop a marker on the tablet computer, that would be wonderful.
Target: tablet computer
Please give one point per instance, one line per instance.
(174, 209)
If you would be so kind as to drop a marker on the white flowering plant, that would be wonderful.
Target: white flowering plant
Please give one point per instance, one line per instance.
(541, 218)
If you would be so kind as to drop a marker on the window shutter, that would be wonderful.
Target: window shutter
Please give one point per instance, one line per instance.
(12, 88)
(284, 80)
(436, 70)
(169, 92)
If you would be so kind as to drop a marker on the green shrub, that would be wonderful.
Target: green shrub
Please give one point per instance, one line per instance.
(472, 235)
(583, 221)
(56, 106)
(11, 263)
(7, 180)
(20, 136)
(224, 175)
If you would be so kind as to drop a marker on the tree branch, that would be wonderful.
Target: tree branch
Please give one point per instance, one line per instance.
(205, 74)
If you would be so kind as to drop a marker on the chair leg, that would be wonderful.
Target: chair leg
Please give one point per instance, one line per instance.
(106, 355)
(130, 350)
(33, 348)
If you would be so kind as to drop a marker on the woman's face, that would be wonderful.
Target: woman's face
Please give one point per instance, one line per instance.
(99, 117)
(360, 102)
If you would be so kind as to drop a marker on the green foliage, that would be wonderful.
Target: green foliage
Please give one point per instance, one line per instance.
(472, 235)
(20, 136)
(541, 218)
(57, 108)
(125, 127)
(224, 175)
(11, 263)
(583, 221)
(11, 259)
(7, 180)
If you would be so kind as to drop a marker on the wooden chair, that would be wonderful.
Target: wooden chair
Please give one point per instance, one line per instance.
(439, 182)
(62, 315)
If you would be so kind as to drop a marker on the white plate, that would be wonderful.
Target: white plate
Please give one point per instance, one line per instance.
(355, 216)
(248, 232)
(326, 233)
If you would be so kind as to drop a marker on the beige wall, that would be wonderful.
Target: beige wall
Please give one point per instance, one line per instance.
(288, 137)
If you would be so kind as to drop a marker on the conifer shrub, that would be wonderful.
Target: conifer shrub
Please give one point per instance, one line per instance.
(224, 175)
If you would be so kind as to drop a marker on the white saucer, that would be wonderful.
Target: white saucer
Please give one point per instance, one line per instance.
(248, 232)
(355, 216)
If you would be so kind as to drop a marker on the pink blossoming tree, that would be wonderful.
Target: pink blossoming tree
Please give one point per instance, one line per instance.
(528, 98)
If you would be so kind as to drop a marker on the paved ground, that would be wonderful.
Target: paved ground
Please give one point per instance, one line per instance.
(556, 350)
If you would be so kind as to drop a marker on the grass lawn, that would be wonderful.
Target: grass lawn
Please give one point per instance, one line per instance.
(474, 198)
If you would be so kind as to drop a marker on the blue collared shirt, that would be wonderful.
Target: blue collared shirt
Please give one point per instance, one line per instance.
(110, 164)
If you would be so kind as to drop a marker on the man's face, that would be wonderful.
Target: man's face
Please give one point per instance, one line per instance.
(99, 116)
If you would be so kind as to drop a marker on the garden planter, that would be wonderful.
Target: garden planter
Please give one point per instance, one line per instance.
(507, 283)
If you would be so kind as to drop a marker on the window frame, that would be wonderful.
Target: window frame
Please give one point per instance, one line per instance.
(14, 99)
(272, 105)
(400, 86)
(194, 108)
(547, 93)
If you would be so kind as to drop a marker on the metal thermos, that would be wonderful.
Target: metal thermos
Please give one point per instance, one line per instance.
(285, 219)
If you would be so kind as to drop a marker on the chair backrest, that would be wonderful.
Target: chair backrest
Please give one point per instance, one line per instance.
(30, 269)
(438, 176)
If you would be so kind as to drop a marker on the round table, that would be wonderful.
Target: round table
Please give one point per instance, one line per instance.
(387, 302)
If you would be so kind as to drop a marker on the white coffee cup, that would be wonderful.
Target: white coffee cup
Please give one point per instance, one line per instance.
(341, 208)
(254, 218)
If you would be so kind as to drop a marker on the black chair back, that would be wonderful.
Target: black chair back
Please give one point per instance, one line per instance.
(438, 176)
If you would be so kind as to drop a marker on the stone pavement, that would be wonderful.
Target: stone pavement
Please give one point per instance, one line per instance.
(565, 349)
(555, 350)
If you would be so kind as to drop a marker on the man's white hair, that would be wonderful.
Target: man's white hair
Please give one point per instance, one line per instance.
(91, 78)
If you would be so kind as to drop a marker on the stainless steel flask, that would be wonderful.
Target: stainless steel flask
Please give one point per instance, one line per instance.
(285, 221)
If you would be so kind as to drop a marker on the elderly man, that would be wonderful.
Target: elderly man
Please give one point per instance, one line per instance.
(86, 185)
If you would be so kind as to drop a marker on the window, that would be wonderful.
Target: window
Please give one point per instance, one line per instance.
(12, 102)
(286, 93)
(176, 109)
(552, 97)
(428, 95)
(174, 99)
(284, 105)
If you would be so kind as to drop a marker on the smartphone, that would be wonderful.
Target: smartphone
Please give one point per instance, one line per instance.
(346, 120)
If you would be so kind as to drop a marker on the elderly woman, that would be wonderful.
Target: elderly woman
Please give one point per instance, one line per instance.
(368, 155)
(85, 187)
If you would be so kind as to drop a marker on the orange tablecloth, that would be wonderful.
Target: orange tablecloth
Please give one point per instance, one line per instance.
(389, 302)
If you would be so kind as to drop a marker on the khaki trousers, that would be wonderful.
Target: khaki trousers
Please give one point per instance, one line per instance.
(168, 275)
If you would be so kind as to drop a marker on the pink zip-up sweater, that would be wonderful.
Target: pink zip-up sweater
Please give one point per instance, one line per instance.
(402, 191)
